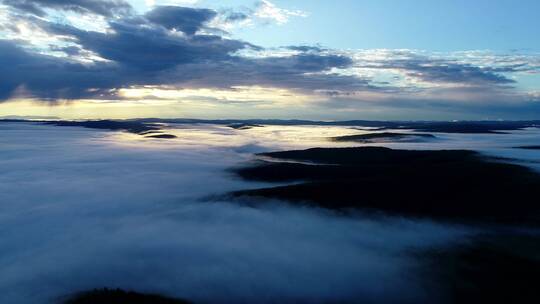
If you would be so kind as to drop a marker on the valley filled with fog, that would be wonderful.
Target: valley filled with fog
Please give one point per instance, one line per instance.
(84, 208)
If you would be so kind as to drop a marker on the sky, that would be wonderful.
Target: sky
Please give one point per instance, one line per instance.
(345, 59)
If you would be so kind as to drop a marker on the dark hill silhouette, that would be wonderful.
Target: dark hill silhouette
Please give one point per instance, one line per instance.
(383, 137)
(529, 147)
(117, 296)
(146, 129)
(147, 124)
(451, 184)
(161, 136)
(124, 125)
(494, 268)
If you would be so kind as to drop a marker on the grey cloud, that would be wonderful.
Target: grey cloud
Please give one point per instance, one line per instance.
(25, 6)
(305, 48)
(106, 8)
(165, 47)
(435, 70)
(476, 103)
(136, 44)
(68, 50)
(300, 72)
(187, 20)
(459, 73)
(140, 51)
(472, 68)
(232, 16)
(198, 60)
(49, 77)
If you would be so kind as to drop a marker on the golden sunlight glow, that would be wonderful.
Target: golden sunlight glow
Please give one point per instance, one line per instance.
(81, 109)
(239, 102)
(240, 94)
(167, 102)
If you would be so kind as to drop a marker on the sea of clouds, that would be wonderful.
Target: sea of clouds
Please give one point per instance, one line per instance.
(83, 209)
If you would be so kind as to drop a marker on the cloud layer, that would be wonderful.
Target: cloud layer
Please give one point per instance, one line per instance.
(48, 56)
(108, 8)
(84, 209)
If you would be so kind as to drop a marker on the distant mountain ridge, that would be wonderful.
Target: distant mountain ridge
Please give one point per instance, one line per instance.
(471, 127)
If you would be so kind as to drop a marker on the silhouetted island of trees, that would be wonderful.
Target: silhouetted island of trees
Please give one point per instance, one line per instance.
(118, 296)
(451, 184)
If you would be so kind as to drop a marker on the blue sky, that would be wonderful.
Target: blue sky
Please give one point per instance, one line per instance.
(451, 25)
(455, 25)
(369, 59)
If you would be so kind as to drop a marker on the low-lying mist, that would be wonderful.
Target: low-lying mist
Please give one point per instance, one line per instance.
(83, 209)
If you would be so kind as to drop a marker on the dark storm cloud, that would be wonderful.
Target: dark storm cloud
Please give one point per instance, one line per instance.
(106, 8)
(187, 20)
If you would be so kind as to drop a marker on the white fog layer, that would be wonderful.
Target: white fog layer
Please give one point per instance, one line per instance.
(83, 209)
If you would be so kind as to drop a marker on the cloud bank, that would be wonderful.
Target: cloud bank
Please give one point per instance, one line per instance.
(85, 209)
(49, 55)
(108, 8)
